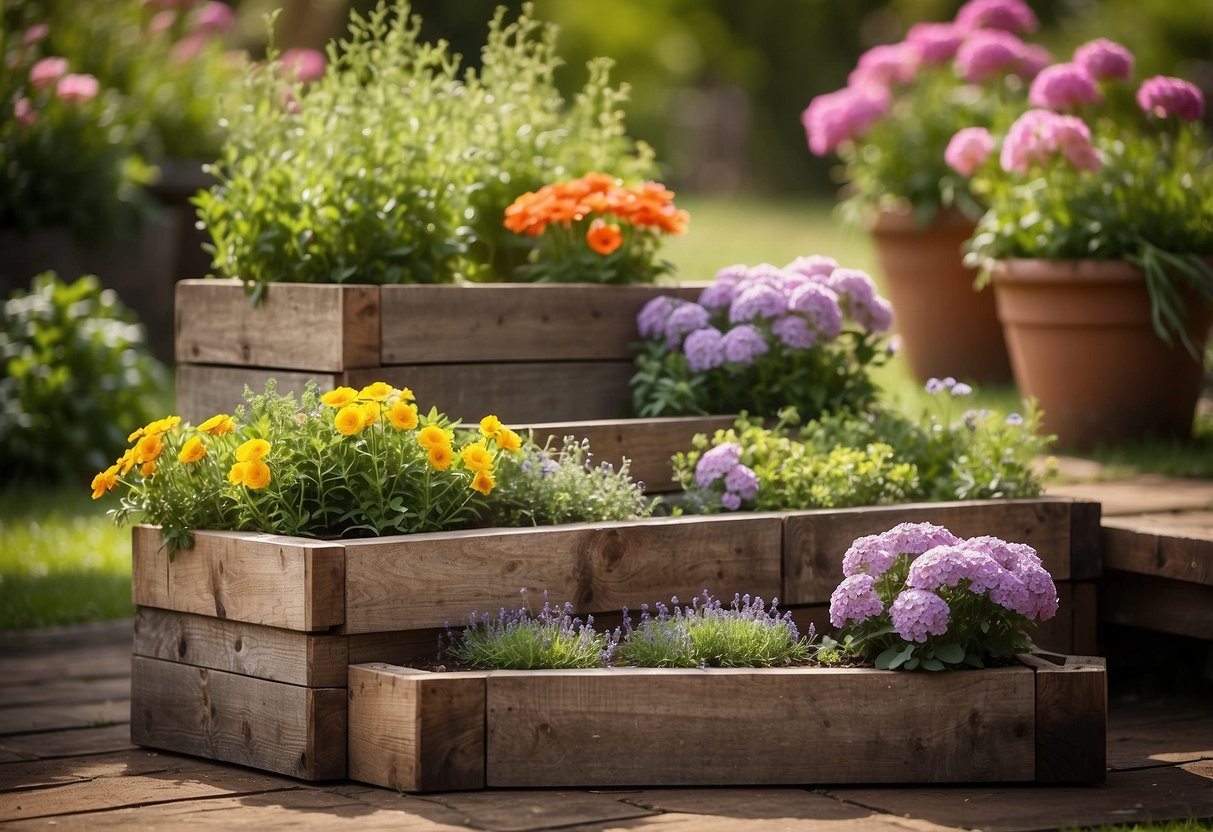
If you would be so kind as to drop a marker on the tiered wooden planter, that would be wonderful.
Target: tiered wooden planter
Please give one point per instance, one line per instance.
(526, 352)
(242, 643)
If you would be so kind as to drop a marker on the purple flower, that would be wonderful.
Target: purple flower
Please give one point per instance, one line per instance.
(854, 600)
(793, 331)
(653, 315)
(815, 266)
(935, 385)
(1105, 60)
(949, 565)
(1011, 594)
(704, 350)
(820, 308)
(916, 538)
(968, 150)
(961, 389)
(1007, 555)
(869, 555)
(1014, 420)
(1042, 593)
(987, 53)
(687, 317)
(717, 462)
(1166, 97)
(842, 115)
(856, 289)
(742, 344)
(724, 287)
(757, 300)
(917, 614)
(1009, 15)
(730, 501)
(1063, 87)
(936, 42)
(742, 481)
(886, 65)
(765, 274)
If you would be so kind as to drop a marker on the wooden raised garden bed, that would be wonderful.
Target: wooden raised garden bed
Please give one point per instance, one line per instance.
(417, 731)
(527, 352)
(242, 643)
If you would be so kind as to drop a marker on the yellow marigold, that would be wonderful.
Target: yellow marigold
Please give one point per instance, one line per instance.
(192, 451)
(490, 426)
(148, 449)
(236, 475)
(127, 461)
(377, 391)
(350, 420)
(161, 425)
(431, 436)
(252, 450)
(407, 395)
(371, 411)
(440, 456)
(218, 425)
(340, 397)
(476, 457)
(403, 415)
(256, 474)
(148, 468)
(135, 435)
(104, 482)
(483, 482)
(507, 440)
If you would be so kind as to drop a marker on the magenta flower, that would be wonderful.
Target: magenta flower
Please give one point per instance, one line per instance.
(988, 53)
(742, 344)
(1034, 58)
(843, 115)
(1167, 97)
(890, 64)
(936, 43)
(23, 112)
(1007, 15)
(303, 64)
(917, 614)
(969, 149)
(34, 34)
(703, 349)
(1063, 87)
(215, 18)
(77, 87)
(717, 462)
(1105, 60)
(854, 600)
(46, 72)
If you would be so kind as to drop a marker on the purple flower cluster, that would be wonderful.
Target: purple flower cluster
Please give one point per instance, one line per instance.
(855, 600)
(917, 614)
(875, 553)
(723, 464)
(949, 384)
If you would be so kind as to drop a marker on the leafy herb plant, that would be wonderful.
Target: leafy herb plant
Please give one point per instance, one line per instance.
(551, 639)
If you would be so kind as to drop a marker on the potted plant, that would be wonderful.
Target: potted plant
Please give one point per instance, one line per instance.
(1097, 240)
(890, 125)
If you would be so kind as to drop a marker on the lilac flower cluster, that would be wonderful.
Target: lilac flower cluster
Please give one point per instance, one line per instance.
(723, 464)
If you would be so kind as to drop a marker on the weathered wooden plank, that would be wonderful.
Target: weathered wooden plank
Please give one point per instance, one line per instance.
(514, 392)
(713, 727)
(238, 719)
(1152, 546)
(57, 772)
(416, 731)
(299, 326)
(816, 540)
(279, 581)
(69, 743)
(27, 718)
(1071, 718)
(204, 390)
(514, 322)
(399, 647)
(56, 691)
(648, 443)
(271, 653)
(427, 580)
(1181, 608)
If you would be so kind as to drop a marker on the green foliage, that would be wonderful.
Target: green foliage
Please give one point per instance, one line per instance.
(516, 640)
(74, 370)
(543, 486)
(397, 165)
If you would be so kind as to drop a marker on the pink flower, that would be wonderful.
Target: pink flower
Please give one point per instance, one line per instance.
(1038, 135)
(24, 112)
(918, 613)
(34, 34)
(855, 599)
(303, 64)
(189, 47)
(886, 65)
(1007, 15)
(936, 42)
(842, 115)
(1166, 97)
(969, 149)
(77, 87)
(1105, 60)
(1063, 87)
(46, 72)
(162, 21)
(988, 53)
(215, 18)
(1034, 58)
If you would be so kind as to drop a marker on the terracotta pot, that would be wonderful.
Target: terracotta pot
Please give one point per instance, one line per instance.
(1082, 344)
(947, 327)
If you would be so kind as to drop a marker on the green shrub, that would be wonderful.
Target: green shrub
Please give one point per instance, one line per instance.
(397, 165)
(75, 371)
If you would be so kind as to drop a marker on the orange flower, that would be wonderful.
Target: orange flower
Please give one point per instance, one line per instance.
(403, 415)
(602, 238)
(192, 451)
(507, 440)
(236, 474)
(256, 474)
(104, 482)
(161, 426)
(252, 450)
(350, 420)
(483, 482)
(431, 436)
(127, 461)
(440, 456)
(148, 468)
(148, 449)
(219, 425)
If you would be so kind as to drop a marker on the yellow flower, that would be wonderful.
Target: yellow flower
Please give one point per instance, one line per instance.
(236, 475)
(403, 415)
(135, 435)
(370, 412)
(105, 482)
(490, 426)
(127, 461)
(252, 450)
(407, 395)
(256, 474)
(377, 391)
(431, 436)
(148, 468)
(161, 425)
(440, 456)
(507, 440)
(476, 457)
(218, 425)
(340, 397)
(350, 420)
(148, 449)
(192, 451)
(483, 482)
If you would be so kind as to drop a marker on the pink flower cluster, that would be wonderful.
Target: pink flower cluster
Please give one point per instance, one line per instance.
(50, 75)
(723, 464)
(1166, 97)
(1039, 136)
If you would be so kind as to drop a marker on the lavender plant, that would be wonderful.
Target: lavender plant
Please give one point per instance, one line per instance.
(551, 639)
(918, 596)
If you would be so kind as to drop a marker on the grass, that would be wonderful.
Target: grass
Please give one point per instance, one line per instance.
(1189, 825)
